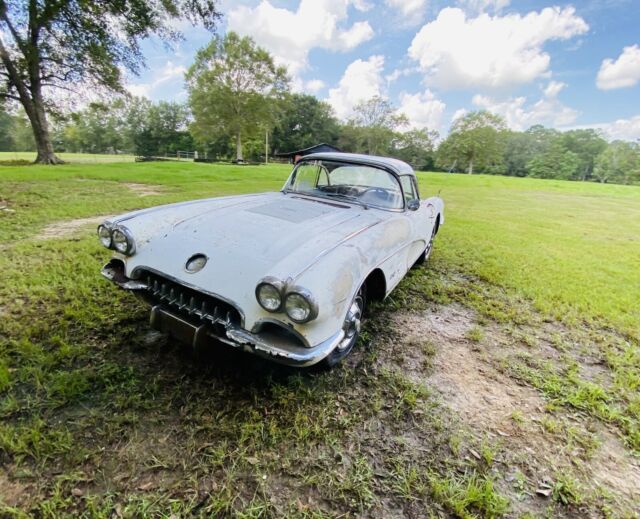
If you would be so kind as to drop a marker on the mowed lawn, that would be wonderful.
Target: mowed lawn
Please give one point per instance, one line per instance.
(573, 248)
(6, 157)
(533, 290)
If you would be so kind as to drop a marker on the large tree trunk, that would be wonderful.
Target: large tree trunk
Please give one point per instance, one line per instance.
(470, 169)
(239, 147)
(40, 127)
(30, 96)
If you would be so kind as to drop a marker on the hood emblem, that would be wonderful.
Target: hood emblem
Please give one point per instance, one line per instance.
(195, 263)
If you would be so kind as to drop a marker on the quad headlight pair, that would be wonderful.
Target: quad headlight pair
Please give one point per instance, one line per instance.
(296, 302)
(118, 238)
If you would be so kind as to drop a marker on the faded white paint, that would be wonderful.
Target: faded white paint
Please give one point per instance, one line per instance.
(327, 248)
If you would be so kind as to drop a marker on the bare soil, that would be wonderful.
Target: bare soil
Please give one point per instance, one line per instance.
(496, 408)
(70, 228)
(145, 189)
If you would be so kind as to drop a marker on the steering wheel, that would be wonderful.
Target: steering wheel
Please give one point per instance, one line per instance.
(380, 192)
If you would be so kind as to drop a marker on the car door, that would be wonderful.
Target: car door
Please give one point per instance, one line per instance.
(421, 224)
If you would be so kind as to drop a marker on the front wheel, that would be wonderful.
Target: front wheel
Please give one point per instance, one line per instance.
(351, 327)
(427, 251)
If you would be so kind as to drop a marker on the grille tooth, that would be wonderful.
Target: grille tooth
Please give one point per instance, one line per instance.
(190, 303)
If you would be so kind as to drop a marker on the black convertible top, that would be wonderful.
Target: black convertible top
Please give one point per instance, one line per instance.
(396, 166)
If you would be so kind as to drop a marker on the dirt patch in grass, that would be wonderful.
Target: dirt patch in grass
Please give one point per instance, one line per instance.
(463, 374)
(69, 228)
(5, 206)
(613, 468)
(11, 492)
(144, 189)
(464, 362)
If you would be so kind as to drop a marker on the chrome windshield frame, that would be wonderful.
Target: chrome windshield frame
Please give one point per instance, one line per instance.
(286, 190)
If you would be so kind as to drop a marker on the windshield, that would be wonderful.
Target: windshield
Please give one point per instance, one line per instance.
(366, 185)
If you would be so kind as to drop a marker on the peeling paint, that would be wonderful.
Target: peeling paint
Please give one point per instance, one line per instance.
(327, 249)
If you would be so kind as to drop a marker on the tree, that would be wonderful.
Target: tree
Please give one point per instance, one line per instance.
(47, 44)
(476, 140)
(518, 152)
(6, 130)
(378, 123)
(304, 121)
(619, 162)
(587, 145)
(164, 130)
(556, 162)
(235, 89)
(417, 147)
(542, 138)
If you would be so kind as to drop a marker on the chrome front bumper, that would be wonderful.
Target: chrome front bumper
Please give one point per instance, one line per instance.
(220, 327)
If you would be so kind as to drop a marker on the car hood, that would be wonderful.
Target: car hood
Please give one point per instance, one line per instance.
(244, 238)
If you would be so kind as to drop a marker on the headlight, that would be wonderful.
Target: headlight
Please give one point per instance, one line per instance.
(104, 235)
(123, 241)
(269, 294)
(300, 305)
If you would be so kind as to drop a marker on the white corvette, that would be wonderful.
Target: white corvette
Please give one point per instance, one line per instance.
(285, 275)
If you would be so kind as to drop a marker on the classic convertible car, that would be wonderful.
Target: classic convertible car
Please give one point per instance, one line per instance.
(284, 275)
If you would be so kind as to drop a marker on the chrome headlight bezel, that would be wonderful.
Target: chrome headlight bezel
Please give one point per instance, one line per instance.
(130, 244)
(277, 285)
(101, 238)
(308, 298)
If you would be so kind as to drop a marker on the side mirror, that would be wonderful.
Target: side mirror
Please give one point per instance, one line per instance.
(413, 205)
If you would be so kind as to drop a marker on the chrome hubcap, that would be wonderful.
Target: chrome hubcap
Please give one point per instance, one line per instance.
(427, 251)
(351, 324)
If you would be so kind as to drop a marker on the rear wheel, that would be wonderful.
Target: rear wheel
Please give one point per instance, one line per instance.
(351, 329)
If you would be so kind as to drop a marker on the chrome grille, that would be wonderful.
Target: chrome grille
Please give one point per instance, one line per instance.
(187, 301)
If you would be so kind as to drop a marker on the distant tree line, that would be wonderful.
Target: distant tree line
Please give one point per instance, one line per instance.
(239, 99)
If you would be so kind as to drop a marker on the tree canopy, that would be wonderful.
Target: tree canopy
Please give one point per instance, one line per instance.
(56, 44)
(475, 141)
(374, 125)
(304, 121)
(234, 88)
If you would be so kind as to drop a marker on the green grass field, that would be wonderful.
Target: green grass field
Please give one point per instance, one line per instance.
(537, 279)
(76, 158)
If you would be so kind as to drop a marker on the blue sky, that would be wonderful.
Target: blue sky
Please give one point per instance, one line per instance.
(561, 64)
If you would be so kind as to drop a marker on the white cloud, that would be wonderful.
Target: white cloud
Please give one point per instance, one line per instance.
(620, 129)
(422, 109)
(460, 112)
(554, 88)
(312, 86)
(362, 5)
(548, 110)
(483, 6)
(491, 52)
(361, 81)
(290, 35)
(169, 72)
(400, 72)
(623, 72)
(409, 8)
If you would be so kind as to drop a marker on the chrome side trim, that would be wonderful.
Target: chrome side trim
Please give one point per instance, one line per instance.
(332, 248)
